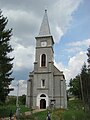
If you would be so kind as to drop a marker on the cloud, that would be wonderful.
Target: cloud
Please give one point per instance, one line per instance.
(74, 65)
(80, 43)
(77, 46)
(22, 87)
(24, 57)
(27, 16)
(63, 16)
(73, 49)
(24, 25)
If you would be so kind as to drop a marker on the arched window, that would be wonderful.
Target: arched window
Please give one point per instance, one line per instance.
(43, 60)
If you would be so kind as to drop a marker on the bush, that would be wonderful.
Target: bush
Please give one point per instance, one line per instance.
(74, 115)
(11, 100)
(5, 110)
(22, 99)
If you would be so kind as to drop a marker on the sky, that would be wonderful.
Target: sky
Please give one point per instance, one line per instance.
(69, 22)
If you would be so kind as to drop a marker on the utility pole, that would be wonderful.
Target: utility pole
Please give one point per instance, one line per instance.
(82, 90)
(17, 104)
(17, 94)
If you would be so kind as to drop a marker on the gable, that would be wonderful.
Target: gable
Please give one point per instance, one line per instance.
(57, 72)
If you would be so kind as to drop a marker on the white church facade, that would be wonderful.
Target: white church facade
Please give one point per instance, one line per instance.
(46, 83)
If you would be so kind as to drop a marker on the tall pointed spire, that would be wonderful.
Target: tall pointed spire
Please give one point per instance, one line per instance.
(45, 29)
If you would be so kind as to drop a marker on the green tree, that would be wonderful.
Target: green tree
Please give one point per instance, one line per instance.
(78, 85)
(88, 80)
(84, 83)
(88, 60)
(22, 99)
(5, 61)
(75, 88)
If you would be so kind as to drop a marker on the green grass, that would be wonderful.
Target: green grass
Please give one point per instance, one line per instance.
(35, 116)
(23, 109)
(75, 105)
(75, 115)
(74, 112)
(5, 110)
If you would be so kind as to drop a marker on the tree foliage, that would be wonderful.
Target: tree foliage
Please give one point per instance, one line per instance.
(75, 88)
(78, 85)
(22, 99)
(88, 60)
(5, 60)
(84, 83)
(88, 80)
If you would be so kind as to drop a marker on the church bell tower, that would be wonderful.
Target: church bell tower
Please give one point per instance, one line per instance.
(44, 46)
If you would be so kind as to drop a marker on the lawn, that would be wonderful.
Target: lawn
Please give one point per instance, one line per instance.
(74, 112)
(5, 110)
(35, 116)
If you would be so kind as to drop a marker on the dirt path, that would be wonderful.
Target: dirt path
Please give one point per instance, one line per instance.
(34, 111)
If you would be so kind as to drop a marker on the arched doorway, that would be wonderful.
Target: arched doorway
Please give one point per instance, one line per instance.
(42, 104)
(42, 101)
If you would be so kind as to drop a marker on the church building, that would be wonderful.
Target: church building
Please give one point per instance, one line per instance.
(46, 85)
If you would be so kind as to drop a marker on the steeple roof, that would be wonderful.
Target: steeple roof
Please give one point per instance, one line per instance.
(44, 29)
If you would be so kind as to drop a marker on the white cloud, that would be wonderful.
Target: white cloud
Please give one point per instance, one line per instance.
(28, 20)
(80, 43)
(58, 33)
(74, 65)
(62, 11)
(24, 24)
(77, 46)
(73, 49)
(22, 87)
(24, 57)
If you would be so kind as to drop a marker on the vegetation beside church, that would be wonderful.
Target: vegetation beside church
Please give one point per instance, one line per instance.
(80, 85)
(6, 64)
(74, 112)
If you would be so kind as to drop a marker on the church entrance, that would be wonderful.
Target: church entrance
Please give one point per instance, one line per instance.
(42, 101)
(42, 104)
